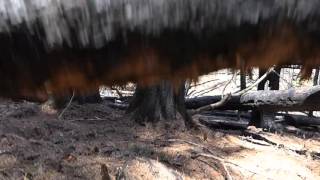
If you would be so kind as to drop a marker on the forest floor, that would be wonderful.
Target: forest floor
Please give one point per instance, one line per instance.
(89, 139)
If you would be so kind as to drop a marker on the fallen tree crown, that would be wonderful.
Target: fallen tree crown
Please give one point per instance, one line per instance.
(59, 46)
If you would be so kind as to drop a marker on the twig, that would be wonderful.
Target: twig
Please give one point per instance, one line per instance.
(212, 106)
(227, 97)
(229, 177)
(201, 154)
(207, 89)
(86, 120)
(223, 100)
(117, 91)
(211, 155)
(70, 101)
(195, 85)
(289, 83)
(225, 87)
(222, 162)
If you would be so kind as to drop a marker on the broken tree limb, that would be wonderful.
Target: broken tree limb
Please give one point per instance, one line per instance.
(232, 104)
(212, 106)
(224, 99)
(229, 113)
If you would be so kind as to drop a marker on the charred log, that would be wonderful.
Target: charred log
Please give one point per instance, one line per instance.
(264, 104)
(300, 120)
(223, 122)
(302, 99)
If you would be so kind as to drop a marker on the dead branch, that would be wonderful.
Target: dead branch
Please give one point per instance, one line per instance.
(204, 91)
(117, 91)
(254, 84)
(227, 97)
(221, 161)
(206, 82)
(69, 103)
(212, 106)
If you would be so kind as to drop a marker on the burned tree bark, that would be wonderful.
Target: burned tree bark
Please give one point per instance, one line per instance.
(273, 78)
(315, 82)
(283, 100)
(316, 77)
(160, 102)
(243, 83)
(298, 120)
(262, 118)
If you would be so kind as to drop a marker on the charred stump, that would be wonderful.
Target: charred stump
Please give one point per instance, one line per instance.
(159, 102)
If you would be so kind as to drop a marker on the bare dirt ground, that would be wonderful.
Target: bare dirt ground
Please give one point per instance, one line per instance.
(93, 138)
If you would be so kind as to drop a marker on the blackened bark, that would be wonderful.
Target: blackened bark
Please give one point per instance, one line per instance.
(263, 82)
(261, 118)
(273, 78)
(158, 102)
(316, 77)
(243, 83)
(315, 82)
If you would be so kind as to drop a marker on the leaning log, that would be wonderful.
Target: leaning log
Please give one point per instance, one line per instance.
(58, 46)
(294, 99)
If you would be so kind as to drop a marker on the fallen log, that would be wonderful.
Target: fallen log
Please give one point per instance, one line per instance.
(227, 113)
(224, 122)
(299, 99)
(300, 120)
(232, 104)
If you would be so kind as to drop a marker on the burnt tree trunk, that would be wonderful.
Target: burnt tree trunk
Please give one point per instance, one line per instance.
(261, 118)
(315, 82)
(159, 102)
(273, 78)
(243, 83)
